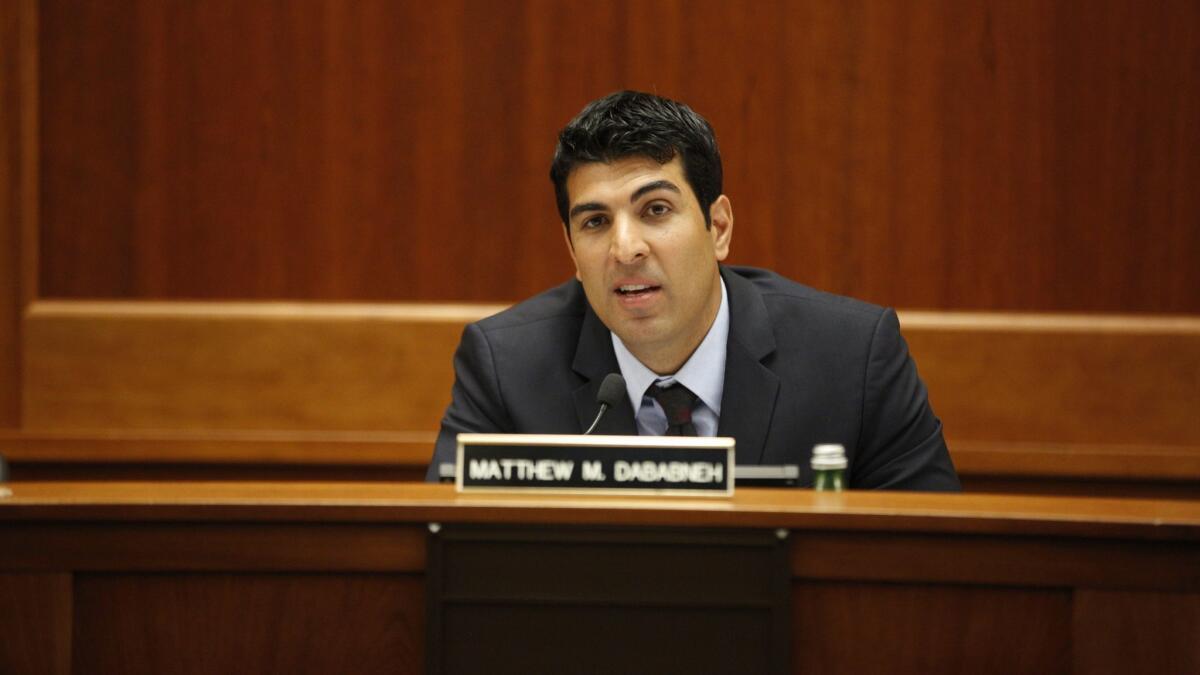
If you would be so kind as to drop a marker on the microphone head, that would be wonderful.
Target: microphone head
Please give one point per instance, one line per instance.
(612, 389)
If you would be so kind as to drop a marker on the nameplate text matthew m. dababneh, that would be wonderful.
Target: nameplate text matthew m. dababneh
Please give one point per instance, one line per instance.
(620, 464)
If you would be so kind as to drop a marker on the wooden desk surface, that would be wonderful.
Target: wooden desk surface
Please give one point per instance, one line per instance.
(790, 508)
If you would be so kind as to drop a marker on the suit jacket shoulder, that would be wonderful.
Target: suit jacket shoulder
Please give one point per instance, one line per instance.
(787, 299)
(565, 301)
(807, 367)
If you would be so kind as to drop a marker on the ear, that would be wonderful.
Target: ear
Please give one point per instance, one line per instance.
(721, 226)
(571, 249)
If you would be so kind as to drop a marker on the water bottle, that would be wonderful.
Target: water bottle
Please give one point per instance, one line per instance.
(829, 467)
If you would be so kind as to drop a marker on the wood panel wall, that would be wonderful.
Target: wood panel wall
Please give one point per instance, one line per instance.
(942, 155)
(948, 155)
(18, 190)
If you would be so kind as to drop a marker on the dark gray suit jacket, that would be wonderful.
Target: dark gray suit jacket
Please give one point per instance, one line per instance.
(802, 367)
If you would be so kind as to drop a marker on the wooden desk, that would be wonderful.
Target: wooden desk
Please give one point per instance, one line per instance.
(330, 577)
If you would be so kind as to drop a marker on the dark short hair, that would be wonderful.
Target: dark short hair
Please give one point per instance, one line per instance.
(630, 124)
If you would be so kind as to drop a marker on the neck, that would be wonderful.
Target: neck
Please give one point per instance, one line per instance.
(664, 364)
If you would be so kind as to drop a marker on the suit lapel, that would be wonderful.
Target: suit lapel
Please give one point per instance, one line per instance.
(594, 358)
(751, 389)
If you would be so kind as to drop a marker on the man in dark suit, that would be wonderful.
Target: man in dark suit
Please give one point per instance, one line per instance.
(704, 349)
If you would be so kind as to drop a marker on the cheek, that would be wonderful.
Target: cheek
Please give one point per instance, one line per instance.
(696, 250)
(589, 267)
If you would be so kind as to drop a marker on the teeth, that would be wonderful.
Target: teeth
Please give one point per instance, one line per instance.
(633, 288)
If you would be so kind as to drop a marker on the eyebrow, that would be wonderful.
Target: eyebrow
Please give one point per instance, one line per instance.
(651, 187)
(637, 194)
(588, 206)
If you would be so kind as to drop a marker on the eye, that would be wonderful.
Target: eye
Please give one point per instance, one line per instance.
(658, 209)
(592, 222)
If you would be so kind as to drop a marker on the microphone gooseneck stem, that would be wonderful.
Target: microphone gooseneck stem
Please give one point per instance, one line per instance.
(603, 407)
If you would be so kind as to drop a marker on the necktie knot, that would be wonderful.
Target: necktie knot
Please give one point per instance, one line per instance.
(677, 402)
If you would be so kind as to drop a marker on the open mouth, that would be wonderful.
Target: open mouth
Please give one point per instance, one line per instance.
(636, 290)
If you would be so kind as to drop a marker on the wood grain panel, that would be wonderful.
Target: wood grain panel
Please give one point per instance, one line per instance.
(248, 623)
(946, 154)
(298, 448)
(141, 613)
(1009, 561)
(277, 471)
(1116, 632)
(215, 547)
(971, 482)
(345, 150)
(35, 622)
(930, 629)
(212, 366)
(1061, 379)
(1021, 396)
(18, 190)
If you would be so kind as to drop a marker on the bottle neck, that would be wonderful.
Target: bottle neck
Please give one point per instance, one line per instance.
(828, 480)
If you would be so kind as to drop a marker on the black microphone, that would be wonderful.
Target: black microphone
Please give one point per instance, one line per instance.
(611, 391)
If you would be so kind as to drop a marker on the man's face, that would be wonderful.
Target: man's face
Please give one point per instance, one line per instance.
(646, 260)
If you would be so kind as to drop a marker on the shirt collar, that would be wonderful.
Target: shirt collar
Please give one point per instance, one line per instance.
(703, 372)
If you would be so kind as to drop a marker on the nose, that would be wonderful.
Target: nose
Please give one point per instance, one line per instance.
(627, 245)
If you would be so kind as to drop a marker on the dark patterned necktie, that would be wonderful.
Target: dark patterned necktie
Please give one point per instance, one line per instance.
(677, 402)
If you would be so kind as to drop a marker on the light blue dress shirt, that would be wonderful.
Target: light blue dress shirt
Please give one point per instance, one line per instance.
(703, 373)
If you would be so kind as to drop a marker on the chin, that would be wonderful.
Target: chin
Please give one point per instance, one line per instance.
(640, 336)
